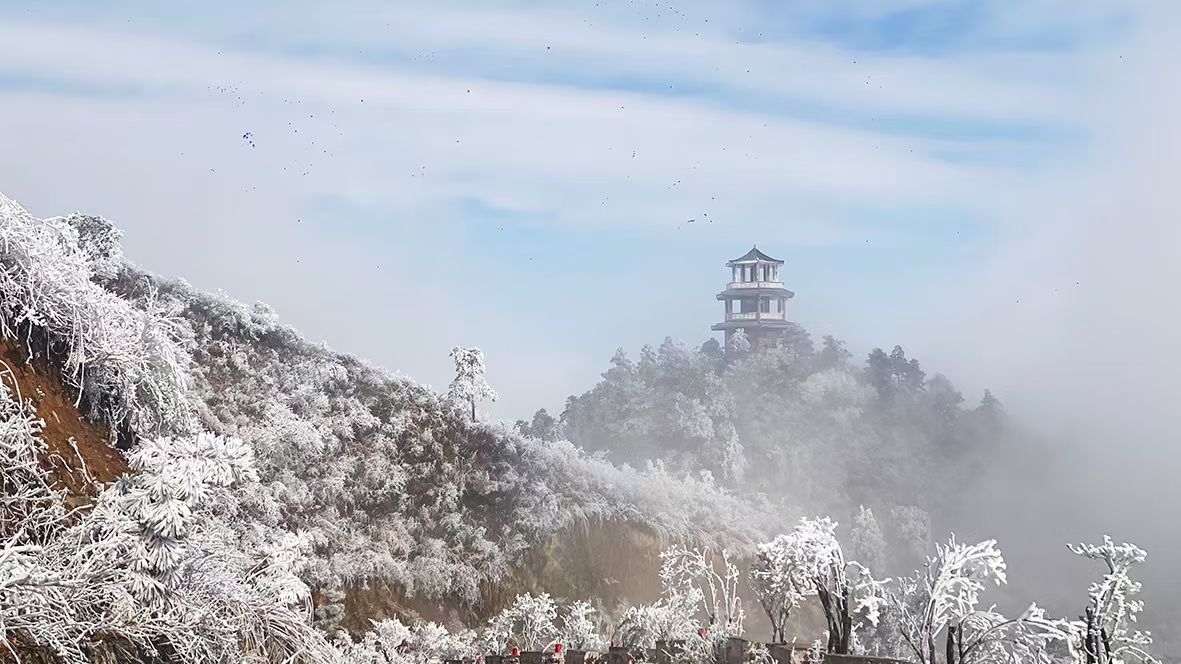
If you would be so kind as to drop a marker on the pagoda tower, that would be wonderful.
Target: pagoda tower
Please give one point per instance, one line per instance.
(755, 300)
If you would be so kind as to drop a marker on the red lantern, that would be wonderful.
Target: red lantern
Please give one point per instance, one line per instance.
(558, 647)
(516, 653)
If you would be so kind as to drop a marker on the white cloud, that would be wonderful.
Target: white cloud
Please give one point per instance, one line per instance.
(161, 151)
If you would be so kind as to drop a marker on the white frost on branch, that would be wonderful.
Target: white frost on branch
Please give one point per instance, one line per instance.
(126, 362)
(1107, 633)
(391, 642)
(780, 582)
(848, 593)
(695, 574)
(739, 343)
(579, 629)
(529, 624)
(470, 385)
(945, 592)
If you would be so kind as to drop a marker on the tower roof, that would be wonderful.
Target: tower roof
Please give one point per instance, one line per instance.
(753, 256)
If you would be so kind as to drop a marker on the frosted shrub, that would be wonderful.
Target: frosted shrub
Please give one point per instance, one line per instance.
(125, 361)
(691, 585)
(391, 642)
(669, 618)
(529, 624)
(579, 630)
(177, 478)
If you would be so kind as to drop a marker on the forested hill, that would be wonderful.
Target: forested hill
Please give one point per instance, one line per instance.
(810, 424)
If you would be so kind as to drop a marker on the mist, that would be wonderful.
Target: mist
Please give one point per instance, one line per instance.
(1073, 324)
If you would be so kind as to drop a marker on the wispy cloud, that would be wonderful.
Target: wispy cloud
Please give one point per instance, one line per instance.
(430, 126)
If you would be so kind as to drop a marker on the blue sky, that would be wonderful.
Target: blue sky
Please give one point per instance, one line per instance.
(520, 175)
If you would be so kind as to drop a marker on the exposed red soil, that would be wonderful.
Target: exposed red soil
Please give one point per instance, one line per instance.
(78, 455)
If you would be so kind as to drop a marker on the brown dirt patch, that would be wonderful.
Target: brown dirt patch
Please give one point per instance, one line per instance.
(74, 442)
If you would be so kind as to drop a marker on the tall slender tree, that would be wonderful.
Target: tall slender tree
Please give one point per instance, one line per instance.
(470, 385)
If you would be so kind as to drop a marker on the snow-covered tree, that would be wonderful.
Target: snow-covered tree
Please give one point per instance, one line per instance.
(692, 582)
(127, 363)
(912, 526)
(176, 478)
(695, 572)
(987, 637)
(1108, 632)
(867, 544)
(389, 641)
(470, 385)
(579, 629)
(945, 593)
(530, 623)
(780, 582)
(99, 241)
(739, 343)
(543, 426)
(847, 591)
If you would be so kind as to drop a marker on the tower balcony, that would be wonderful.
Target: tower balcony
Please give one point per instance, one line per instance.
(741, 290)
(737, 285)
(756, 315)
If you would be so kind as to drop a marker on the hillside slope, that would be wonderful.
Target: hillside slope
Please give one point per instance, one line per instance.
(380, 494)
(396, 487)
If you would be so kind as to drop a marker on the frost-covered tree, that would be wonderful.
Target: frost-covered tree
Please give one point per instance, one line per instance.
(833, 354)
(543, 426)
(127, 363)
(176, 479)
(780, 582)
(1108, 632)
(867, 544)
(149, 567)
(847, 592)
(695, 572)
(912, 529)
(529, 623)
(692, 583)
(99, 240)
(579, 629)
(945, 593)
(942, 599)
(389, 641)
(470, 385)
(739, 343)
(894, 375)
(988, 637)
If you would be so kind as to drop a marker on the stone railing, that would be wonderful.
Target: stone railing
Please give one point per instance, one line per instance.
(755, 284)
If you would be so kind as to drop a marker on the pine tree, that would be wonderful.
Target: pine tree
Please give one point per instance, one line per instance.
(470, 386)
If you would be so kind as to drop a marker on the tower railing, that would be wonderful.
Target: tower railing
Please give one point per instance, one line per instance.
(756, 315)
(755, 284)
